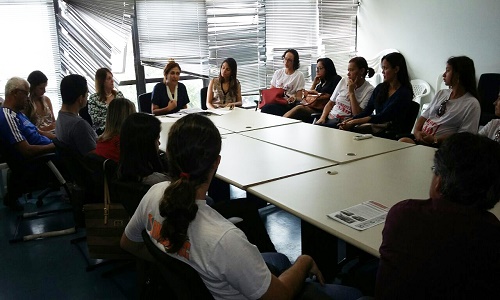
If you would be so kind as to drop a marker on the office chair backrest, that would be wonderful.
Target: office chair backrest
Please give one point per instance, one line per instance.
(128, 193)
(487, 88)
(84, 113)
(144, 102)
(85, 171)
(407, 123)
(183, 280)
(203, 98)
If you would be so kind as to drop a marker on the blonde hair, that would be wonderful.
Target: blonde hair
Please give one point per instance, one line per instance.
(118, 110)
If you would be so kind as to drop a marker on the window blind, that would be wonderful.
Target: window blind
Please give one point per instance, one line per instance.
(237, 29)
(30, 43)
(174, 29)
(92, 33)
(291, 24)
(337, 31)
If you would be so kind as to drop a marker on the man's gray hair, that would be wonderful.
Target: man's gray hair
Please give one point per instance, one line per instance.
(16, 83)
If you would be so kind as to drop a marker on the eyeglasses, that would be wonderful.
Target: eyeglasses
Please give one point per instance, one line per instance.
(287, 59)
(319, 68)
(442, 108)
(497, 136)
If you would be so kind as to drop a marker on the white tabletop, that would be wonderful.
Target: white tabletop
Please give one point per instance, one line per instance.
(333, 144)
(387, 178)
(246, 161)
(240, 120)
(167, 122)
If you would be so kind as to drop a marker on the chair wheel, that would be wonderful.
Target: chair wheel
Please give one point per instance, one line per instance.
(39, 203)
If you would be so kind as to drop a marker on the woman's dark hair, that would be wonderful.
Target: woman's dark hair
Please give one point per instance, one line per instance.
(171, 64)
(233, 83)
(100, 79)
(463, 67)
(395, 59)
(193, 147)
(330, 70)
(138, 151)
(469, 168)
(36, 78)
(296, 60)
(361, 63)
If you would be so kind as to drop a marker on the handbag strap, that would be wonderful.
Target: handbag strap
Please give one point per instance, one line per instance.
(106, 194)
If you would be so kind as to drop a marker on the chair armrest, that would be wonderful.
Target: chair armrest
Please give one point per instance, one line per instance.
(315, 117)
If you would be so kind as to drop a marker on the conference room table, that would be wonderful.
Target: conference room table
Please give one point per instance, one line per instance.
(167, 122)
(332, 144)
(241, 120)
(387, 178)
(246, 161)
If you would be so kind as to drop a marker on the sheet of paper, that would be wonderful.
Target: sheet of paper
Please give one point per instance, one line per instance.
(218, 112)
(361, 216)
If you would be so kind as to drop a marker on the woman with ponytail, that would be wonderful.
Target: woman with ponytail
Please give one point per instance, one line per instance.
(179, 221)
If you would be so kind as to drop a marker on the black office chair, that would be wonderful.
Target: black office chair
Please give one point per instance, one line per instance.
(203, 98)
(128, 193)
(26, 176)
(84, 113)
(144, 103)
(86, 175)
(404, 124)
(487, 88)
(183, 280)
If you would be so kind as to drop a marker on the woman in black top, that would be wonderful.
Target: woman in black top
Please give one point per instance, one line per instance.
(322, 87)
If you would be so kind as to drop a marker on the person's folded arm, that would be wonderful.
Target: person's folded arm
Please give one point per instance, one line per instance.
(30, 151)
(138, 249)
(397, 107)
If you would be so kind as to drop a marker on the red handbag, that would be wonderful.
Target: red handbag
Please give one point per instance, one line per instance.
(273, 95)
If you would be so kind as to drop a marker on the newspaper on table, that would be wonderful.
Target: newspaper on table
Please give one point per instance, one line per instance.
(361, 216)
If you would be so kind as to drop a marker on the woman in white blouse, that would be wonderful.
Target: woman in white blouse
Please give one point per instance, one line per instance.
(289, 79)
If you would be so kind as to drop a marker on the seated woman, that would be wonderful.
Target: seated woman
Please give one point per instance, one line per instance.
(350, 96)
(447, 247)
(390, 99)
(492, 129)
(452, 110)
(39, 108)
(226, 89)
(108, 144)
(139, 150)
(169, 96)
(289, 79)
(182, 225)
(321, 89)
(99, 101)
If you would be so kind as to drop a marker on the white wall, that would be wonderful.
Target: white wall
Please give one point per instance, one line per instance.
(427, 32)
